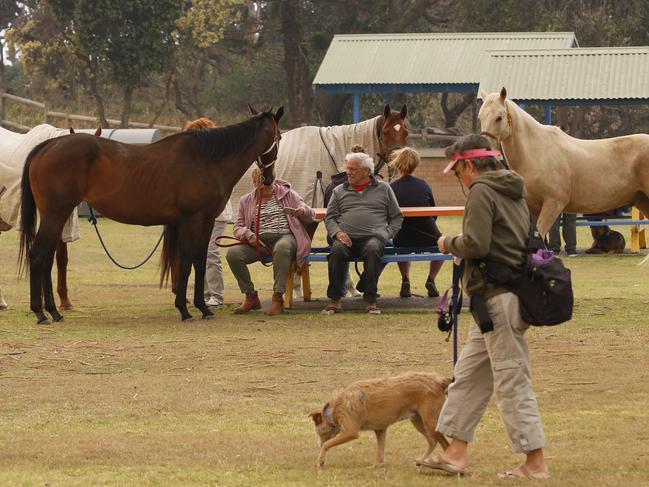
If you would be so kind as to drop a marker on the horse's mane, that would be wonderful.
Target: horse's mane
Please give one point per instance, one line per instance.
(221, 142)
(200, 123)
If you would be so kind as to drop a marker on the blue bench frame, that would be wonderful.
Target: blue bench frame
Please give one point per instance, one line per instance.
(390, 254)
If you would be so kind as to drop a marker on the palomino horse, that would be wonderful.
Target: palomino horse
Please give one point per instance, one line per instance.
(563, 173)
(14, 149)
(182, 181)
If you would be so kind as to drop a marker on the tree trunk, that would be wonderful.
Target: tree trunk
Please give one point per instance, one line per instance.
(330, 107)
(295, 62)
(453, 113)
(99, 101)
(126, 106)
(3, 88)
(2, 66)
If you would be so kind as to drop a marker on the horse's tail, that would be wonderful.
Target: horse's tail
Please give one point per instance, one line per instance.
(27, 211)
(169, 259)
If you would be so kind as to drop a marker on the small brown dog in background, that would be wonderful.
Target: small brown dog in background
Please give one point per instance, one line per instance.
(375, 404)
(606, 241)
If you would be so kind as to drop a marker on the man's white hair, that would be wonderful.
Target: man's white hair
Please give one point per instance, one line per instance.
(365, 160)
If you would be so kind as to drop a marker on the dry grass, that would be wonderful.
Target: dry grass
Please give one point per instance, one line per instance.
(123, 393)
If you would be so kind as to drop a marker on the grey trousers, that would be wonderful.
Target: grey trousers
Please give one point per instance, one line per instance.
(214, 269)
(284, 248)
(568, 231)
(497, 361)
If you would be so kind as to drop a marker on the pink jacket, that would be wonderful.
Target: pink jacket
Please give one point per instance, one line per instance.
(286, 197)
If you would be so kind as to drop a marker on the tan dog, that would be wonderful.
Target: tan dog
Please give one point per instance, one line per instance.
(375, 404)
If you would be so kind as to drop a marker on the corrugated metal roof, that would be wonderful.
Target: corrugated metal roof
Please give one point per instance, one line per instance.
(607, 73)
(455, 58)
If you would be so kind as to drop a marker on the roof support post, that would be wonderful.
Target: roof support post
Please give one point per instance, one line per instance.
(547, 114)
(357, 107)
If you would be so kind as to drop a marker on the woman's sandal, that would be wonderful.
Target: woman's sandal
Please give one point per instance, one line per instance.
(373, 309)
(523, 473)
(439, 464)
(331, 309)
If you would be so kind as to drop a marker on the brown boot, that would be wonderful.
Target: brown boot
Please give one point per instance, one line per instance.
(276, 305)
(251, 302)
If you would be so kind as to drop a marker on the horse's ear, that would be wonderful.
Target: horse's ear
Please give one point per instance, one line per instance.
(483, 94)
(404, 112)
(387, 110)
(252, 110)
(278, 115)
(503, 94)
(71, 130)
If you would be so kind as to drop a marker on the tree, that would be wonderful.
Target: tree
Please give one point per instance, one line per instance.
(210, 35)
(8, 13)
(134, 39)
(298, 76)
(120, 42)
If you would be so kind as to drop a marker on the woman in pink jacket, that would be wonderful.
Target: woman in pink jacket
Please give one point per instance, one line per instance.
(281, 232)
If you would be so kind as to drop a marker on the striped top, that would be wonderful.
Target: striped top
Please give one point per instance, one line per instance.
(273, 218)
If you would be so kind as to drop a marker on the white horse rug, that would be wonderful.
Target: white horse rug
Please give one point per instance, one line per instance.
(14, 149)
(302, 152)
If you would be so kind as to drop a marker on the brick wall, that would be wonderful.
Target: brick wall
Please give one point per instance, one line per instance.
(446, 187)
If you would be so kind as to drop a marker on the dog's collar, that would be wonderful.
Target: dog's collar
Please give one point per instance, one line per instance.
(328, 416)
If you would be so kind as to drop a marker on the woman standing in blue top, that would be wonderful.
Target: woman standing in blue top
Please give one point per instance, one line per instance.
(415, 231)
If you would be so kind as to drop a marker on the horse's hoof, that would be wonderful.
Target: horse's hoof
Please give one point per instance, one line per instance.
(44, 321)
(58, 319)
(66, 307)
(187, 318)
(208, 316)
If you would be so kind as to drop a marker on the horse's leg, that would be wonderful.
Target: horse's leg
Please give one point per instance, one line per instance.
(642, 203)
(41, 258)
(548, 215)
(48, 288)
(184, 269)
(188, 236)
(62, 274)
(204, 232)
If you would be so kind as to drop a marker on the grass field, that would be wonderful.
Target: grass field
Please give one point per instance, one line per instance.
(123, 393)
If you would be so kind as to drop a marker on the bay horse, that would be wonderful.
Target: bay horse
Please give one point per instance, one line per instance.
(563, 173)
(182, 181)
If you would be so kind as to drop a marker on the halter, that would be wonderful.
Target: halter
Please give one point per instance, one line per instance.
(510, 126)
(260, 163)
(275, 144)
(385, 151)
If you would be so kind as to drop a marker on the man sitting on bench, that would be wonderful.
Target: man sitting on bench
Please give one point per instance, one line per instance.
(362, 215)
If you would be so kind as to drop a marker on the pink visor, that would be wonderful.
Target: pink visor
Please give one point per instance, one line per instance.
(471, 154)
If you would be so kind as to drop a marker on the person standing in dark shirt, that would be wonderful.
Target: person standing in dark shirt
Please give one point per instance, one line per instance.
(415, 231)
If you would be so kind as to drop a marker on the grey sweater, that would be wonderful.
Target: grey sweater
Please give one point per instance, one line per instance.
(374, 212)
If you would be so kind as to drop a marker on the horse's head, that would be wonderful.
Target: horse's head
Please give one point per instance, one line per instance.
(495, 120)
(266, 160)
(393, 131)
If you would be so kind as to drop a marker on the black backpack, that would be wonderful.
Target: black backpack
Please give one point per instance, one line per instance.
(543, 285)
